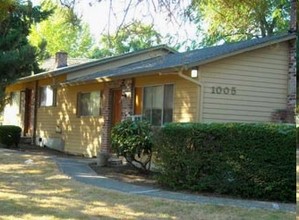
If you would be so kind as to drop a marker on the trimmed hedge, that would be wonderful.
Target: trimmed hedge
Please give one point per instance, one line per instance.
(9, 135)
(256, 161)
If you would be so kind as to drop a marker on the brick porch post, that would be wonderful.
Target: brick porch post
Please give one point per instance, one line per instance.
(292, 76)
(288, 114)
(126, 109)
(127, 100)
(291, 105)
(105, 150)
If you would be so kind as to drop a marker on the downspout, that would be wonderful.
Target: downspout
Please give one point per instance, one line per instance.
(200, 107)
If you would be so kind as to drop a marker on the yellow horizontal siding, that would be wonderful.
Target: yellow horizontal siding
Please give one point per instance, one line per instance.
(249, 96)
(185, 95)
(230, 107)
(226, 65)
(212, 81)
(218, 103)
(81, 134)
(241, 73)
(229, 118)
(236, 112)
(260, 79)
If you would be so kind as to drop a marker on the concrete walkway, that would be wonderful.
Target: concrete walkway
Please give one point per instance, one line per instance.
(79, 170)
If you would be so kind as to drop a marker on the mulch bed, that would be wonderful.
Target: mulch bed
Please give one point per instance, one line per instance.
(126, 173)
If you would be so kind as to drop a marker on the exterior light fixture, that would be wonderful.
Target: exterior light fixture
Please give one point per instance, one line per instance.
(194, 72)
(128, 94)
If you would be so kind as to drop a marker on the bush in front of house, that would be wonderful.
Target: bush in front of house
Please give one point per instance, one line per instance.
(133, 140)
(10, 135)
(255, 161)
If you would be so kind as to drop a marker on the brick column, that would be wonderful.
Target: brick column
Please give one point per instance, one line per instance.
(127, 109)
(103, 154)
(291, 105)
(293, 27)
(106, 113)
(287, 115)
(127, 100)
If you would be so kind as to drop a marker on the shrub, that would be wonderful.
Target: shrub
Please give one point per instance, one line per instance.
(248, 160)
(133, 140)
(9, 135)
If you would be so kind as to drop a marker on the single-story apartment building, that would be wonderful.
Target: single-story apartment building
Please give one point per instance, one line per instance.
(73, 108)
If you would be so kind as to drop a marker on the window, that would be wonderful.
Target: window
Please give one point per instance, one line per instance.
(158, 104)
(47, 96)
(89, 104)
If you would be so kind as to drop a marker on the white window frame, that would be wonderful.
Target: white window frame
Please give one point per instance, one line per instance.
(50, 94)
(162, 113)
(91, 112)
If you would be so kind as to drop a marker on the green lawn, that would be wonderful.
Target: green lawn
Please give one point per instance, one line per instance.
(40, 191)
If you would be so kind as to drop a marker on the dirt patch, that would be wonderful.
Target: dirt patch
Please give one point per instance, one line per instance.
(126, 173)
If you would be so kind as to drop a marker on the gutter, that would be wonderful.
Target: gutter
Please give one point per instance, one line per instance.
(201, 91)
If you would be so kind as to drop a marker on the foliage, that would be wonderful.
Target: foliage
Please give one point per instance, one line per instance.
(234, 20)
(132, 37)
(9, 135)
(218, 21)
(62, 31)
(17, 56)
(133, 140)
(254, 161)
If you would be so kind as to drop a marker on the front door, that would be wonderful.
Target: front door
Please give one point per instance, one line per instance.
(116, 106)
(28, 113)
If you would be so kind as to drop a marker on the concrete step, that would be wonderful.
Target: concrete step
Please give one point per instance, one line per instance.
(114, 161)
(26, 140)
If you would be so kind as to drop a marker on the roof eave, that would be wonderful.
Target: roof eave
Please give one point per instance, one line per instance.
(79, 67)
(132, 74)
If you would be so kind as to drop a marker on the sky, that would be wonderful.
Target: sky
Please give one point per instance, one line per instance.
(101, 19)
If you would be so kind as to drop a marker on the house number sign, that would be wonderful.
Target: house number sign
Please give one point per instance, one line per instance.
(224, 90)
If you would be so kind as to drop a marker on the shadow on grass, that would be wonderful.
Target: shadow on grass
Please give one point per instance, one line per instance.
(35, 188)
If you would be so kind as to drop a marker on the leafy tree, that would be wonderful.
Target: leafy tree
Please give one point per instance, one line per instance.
(129, 38)
(218, 20)
(17, 56)
(234, 20)
(63, 31)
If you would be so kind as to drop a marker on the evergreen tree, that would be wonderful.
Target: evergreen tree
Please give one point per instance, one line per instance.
(17, 56)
